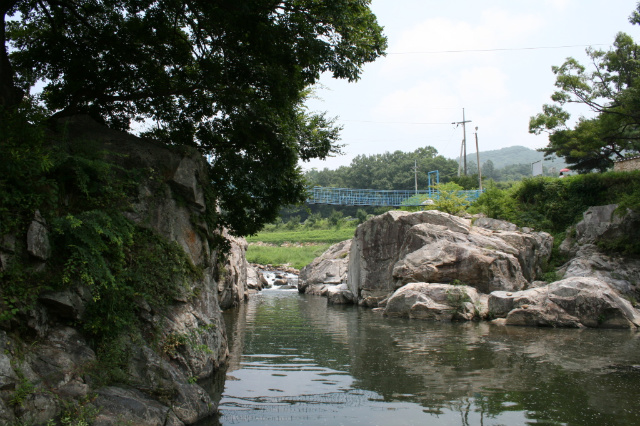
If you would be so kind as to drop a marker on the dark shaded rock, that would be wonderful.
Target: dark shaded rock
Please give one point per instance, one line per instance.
(130, 406)
(38, 244)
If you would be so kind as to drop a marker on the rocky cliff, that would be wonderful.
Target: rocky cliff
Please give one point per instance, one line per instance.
(126, 348)
(432, 265)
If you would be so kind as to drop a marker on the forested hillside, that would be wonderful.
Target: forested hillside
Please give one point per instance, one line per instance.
(514, 155)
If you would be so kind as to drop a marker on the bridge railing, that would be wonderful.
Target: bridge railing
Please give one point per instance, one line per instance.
(377, 197)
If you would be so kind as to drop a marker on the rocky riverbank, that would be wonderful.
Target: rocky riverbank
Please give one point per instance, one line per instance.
(432, 265)
(54, 367)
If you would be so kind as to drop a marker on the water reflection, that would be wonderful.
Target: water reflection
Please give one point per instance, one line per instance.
(294, 359)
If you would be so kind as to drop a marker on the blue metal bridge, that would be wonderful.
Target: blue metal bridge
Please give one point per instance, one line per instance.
(375, 197)
(383, 198)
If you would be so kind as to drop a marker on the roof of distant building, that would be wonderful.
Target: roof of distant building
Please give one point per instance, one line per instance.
(627, 159)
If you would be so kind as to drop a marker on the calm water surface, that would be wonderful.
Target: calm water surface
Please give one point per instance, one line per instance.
(295, 360)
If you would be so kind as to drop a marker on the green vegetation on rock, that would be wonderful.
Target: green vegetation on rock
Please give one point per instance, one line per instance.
(554, 205)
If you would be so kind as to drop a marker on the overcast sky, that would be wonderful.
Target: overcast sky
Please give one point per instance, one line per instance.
(493, 58)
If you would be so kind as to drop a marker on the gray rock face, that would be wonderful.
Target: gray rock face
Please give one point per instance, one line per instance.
(190, 345)
(38, 244)
(572, 302)
(255, 279)
(602, 224)
(130, 406)
(442, 302)
(590, 293)
(495, 224)
(623, 274)
(327, 275)
(70, 303)
(232, 285)
(397, 248)
(185, 181)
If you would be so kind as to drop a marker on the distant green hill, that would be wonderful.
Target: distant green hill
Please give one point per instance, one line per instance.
(514, 155)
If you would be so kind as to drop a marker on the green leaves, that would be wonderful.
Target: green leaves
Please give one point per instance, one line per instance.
(611, 90)
(226, 77)
(93, 244)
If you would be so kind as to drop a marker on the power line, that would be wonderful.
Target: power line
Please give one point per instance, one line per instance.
(388, 122)
(505, 49)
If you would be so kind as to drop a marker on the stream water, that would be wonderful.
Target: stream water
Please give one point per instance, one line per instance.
(296, 360)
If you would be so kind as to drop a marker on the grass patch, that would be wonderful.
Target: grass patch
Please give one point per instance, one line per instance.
(297, 248)
(325, 236)
(296, 256)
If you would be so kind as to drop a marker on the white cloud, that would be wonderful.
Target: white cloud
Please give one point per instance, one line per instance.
(425, 102)
(481, 85)
(559, 5)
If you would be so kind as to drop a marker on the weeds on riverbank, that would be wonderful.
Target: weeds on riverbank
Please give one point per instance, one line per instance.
(296, 247)
(297, 256)
(329, 236)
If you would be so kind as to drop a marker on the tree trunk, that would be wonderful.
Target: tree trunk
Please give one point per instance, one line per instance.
(10, 95)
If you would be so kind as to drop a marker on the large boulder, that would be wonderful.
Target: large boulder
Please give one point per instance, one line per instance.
(618, 271)
(255, 279)
(397, 248)
(338, 294)
(572, 302)
(443, 302)
(232, 282)
(327, 275)
(589, 248)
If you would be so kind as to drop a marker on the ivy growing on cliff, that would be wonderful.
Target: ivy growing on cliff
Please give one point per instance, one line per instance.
(82, 195)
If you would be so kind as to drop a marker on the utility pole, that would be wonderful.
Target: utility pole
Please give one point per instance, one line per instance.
(464, 138)
(460, 158)
(478, 158)
(415, 170)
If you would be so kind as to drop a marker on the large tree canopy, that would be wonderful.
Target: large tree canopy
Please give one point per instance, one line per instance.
(226, 76)
(612, 91)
